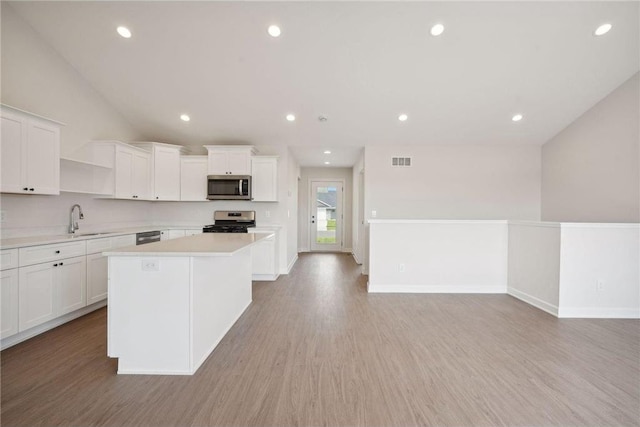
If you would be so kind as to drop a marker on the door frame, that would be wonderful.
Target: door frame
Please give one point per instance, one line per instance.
(312, 209)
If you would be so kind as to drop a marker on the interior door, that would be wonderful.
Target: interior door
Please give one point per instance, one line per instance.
(326, 216)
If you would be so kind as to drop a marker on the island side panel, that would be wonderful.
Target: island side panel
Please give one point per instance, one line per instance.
(221, 293)
(149, 317)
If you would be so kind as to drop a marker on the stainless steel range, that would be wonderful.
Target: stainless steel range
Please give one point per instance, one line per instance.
(231, 222)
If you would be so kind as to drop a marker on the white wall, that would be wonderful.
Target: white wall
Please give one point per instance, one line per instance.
(36, 78)
(358, 227)
(308, 175)
(293, 182)
(438, 256)
(608, 254)
(534, 264)
(590, 170)
(454, 182)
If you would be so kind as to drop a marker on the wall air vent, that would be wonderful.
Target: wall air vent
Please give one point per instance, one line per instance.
(400, 161)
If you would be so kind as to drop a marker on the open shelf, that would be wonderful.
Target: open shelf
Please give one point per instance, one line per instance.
(81, 176)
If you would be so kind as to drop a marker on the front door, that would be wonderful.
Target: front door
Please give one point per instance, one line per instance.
(326, 216)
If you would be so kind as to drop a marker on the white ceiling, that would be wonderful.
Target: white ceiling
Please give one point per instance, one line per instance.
(358, 63)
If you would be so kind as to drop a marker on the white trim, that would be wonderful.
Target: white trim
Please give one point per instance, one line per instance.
(535, 224)
(599, 313)
(347, 250)
(531, 300)
(436, 221)
(290, 266)
(437, 289)
(303, 250)
(264, 277)
(600, 225)
(54, 323)
(355, 257)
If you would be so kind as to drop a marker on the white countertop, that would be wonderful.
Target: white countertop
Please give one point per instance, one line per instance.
(19, 242)
(206, 244)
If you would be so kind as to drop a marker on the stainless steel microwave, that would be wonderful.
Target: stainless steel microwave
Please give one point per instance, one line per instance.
(228, 187)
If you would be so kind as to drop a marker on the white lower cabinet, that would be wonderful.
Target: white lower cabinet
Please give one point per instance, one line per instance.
(50, 290)
(264, 259)
(96, 278)
(71, 285)
(97, 264)
(8, 302)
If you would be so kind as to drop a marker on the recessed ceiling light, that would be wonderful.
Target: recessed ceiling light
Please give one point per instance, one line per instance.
(291, 117)
(327, 152)
(437, 29)
(403, 117)
(274, 31)
(185, 118)
(602, 29)
(124, 32)
(327, 163)
(517, 117)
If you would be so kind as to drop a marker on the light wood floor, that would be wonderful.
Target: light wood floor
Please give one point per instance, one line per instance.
(315, 349)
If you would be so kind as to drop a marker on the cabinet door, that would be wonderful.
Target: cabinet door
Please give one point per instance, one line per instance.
(263, 257)
(13, 154)
(174, 234)
(36, 288)
(264, 179)
(8, 302)
(193, 179)
(239, 163)
(164, 235)
(141, 176)
(166, 173)
(218, 163)
(43, 158)
(71, 285)
(124, 171)
(96, 278)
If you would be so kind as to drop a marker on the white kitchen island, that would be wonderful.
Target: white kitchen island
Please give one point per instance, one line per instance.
(171, 302)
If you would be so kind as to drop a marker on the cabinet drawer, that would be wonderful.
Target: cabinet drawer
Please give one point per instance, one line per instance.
(122, 241)
(8, 259)
(37, 254)
(98, 245)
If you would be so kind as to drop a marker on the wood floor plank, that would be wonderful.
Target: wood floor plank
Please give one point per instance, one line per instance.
(314, 348)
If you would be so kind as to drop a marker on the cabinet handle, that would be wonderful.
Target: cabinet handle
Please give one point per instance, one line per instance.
(55, 265)
(26, 188)
(157, 197)
(31, 189)
(61, 263)
(57, 252)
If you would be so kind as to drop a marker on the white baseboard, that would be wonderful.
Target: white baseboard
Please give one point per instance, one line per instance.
(303, 250)
(598, 313)
(429, 289)
(265, 277)
(355, 257)
(291, 264)
(531, 300)
(347, 250)
(54, 323)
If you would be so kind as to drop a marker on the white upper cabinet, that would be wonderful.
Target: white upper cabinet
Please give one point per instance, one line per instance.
(30, 153)
(131, 173)
(193, 178)
(264, 179)
(165, 169)
(229, 159)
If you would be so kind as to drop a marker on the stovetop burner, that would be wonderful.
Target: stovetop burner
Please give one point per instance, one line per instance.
(215, 228)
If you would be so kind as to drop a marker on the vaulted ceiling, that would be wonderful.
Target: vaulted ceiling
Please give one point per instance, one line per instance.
(357, 64)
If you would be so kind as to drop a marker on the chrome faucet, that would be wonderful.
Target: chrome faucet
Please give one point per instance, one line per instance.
(73, 226)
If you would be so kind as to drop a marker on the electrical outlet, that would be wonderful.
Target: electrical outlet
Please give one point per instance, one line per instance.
(374, 214)
(599, 285)
(150, 264)
(3, 216)
(267, 214)
(401, 268)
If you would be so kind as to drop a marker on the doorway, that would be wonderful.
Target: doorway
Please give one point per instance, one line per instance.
(326, 217)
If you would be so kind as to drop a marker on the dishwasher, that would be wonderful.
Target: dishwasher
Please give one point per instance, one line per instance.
(147, 237)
